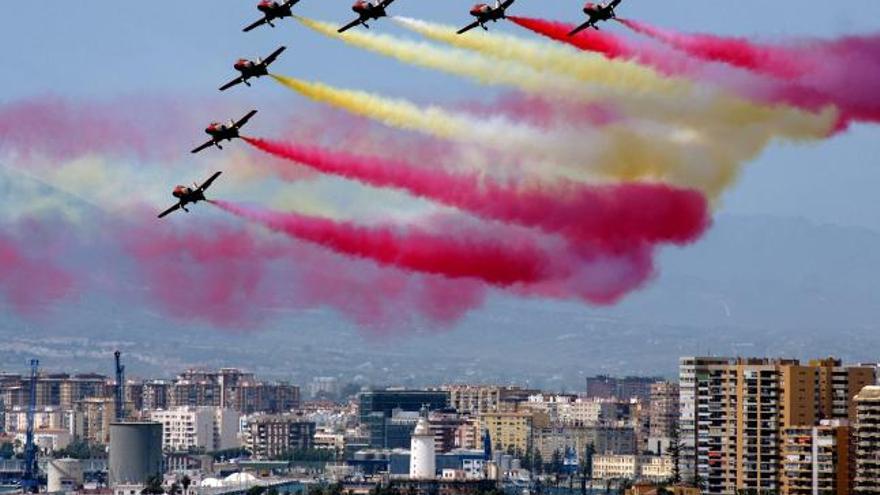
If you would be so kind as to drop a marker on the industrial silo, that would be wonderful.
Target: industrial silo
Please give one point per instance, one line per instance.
(64, 475)
(135, 452)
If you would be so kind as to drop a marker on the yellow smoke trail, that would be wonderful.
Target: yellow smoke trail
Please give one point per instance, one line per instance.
(639, 90)
(552, 70)
(685, 160)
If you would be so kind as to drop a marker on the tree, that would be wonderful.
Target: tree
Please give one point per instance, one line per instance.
(538, 462)
(556, 466)
(586, 467)
(175, 489)
(153, 486)
(674, 450)
(185, 482)
(7, 450)
(255, 490)
(272, 491)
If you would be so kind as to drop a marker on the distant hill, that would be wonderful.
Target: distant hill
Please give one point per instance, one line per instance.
(754, 286)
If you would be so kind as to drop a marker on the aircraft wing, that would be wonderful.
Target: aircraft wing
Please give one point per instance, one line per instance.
(350, 25)
(508, 3)
(204, 146)
(291, 3)
(234, 82)
(386, 3)
(271, 58)
(245, 119)
(580, 28)
(259, 23)
(205, 185)
(468, 27)
(169, 210)
(614, 3)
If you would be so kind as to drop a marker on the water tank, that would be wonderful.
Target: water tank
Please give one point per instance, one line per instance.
(64, 475)
(135, 452)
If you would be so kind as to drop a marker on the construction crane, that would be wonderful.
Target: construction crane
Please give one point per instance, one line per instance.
(29, 480)
(120, 388)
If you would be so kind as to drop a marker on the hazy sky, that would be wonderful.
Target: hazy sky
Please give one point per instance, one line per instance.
(95, 49)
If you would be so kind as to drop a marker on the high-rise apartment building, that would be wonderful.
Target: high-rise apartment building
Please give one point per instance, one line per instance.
(816, 459)
(867, 441)
(733, 413)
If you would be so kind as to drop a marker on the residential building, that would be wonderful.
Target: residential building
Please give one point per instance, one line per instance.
(733, 413)
(511, 430)
(632, 467)
(194, 429)
(816, 459)
(626, 388)
(275, 435)
(838, 384)
(97, 413)
(867, 441)
(476, 399)
(604, 439)
(663, 415)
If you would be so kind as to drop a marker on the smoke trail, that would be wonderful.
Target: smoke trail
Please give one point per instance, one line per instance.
(529, 68)
(497, 262)
(622, 214)
(686, 158)
(27, 282)
(739, 52)
(234, 279)
(612, 47)
(810, 73)
(504, 258)
(553, 58)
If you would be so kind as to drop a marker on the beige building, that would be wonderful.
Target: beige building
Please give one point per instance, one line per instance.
(632, 467)
(604, 439)
(867, 441)
(95, 414)
(816, 459)
(733, 429)
(48, 417)
(511, 430)
(477, 399)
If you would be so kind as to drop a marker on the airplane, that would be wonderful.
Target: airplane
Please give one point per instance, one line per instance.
(272, 10)
(186, 195)
(224, 132)
(252, 68)
(485, 13)
(598, 13)
(367, 10)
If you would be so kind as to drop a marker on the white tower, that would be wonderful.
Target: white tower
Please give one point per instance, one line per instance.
(422, 461)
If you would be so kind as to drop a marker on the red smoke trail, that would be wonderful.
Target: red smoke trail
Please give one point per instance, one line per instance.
(611, 215)
(739, 52)
(591, 40)
(503, 257)
(810, 74)
(473, 255)
(235, 279)
(27, 282)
